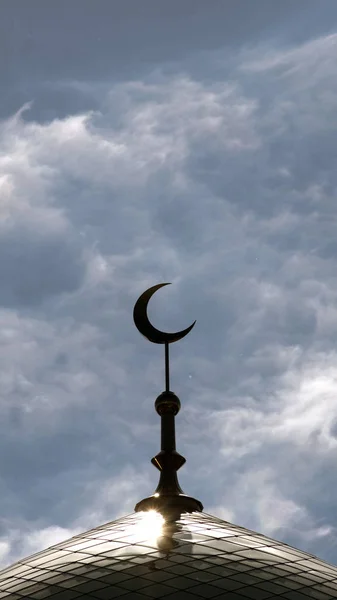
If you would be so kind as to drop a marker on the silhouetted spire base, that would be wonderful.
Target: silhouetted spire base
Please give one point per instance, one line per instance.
(168, 499)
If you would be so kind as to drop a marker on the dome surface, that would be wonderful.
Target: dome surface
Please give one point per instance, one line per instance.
(142, 556)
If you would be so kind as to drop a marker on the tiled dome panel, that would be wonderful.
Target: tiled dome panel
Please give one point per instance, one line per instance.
(199, 556)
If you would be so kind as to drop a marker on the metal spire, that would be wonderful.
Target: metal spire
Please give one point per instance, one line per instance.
(168, 497)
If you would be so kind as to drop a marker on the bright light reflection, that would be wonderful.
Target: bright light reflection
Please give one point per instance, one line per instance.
(150, 527)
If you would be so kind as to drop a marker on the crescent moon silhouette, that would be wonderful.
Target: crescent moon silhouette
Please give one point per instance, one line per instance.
(146, 328)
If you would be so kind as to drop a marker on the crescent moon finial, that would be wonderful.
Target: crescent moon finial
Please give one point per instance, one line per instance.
(146, 328)
(168, 497)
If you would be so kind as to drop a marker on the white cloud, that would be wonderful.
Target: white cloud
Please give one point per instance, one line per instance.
(4, 552)
(301, 411)
(24, 543)
(311, 60)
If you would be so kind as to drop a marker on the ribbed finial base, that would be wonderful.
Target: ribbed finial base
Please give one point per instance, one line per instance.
(170, 506)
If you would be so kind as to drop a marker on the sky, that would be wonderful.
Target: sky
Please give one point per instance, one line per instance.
(188, 142)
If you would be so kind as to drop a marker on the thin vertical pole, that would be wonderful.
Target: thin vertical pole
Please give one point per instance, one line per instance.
(167, 368)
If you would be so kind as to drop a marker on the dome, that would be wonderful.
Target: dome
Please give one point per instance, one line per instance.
(169, 548)
(144, 556)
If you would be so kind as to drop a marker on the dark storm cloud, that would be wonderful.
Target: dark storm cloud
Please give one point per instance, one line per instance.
(34, 267)
(109, 41)
(85, 40)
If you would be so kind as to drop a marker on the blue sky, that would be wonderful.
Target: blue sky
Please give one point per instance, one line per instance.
(189, 142)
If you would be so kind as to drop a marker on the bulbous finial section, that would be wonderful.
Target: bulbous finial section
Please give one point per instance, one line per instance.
(167, 403)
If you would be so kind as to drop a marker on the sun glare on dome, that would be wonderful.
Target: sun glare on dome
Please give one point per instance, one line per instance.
(151, 525)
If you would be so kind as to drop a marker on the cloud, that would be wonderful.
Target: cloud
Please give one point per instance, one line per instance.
(312, 61)
(277, 436)
(221, 188)
(20, 543)
(40, 254)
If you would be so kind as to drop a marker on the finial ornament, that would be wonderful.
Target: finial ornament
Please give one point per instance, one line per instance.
(153, 334)
(168, 497)
(146, 328)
